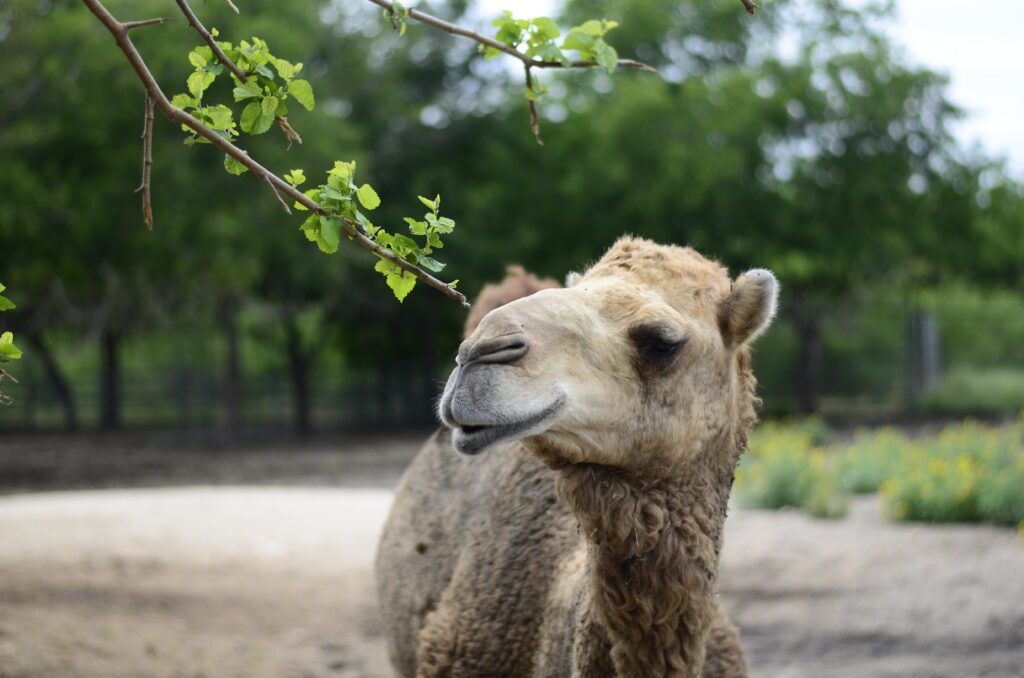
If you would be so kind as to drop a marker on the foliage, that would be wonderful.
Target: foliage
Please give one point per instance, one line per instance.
(538, 37)
(981, 391)
(967, 473)
(8, 350)
(341, 199)
(872, 458)
(784, 468)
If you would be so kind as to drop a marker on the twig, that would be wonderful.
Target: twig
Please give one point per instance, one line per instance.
(277, 194)
(176, 115)
(4, 374)
(195, 23)
(289, 132)
(147, 163)
(208, 38)
(486, 41)
(131, 25)
(531, 104)
(232, 6)
(750, 5)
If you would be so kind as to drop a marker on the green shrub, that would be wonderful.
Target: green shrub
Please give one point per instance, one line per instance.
(967, 473)
(870, 460)
(783, 468)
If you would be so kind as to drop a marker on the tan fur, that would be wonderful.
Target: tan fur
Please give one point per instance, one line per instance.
(518, 283)
(586, 546)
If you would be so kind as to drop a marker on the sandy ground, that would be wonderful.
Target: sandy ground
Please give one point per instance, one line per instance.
(234, 580)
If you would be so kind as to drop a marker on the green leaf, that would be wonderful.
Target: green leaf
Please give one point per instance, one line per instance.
(220, 117)
(579, 41)
(233, 166)
(342, 170)
(311, 227)
(303, 93)
(254, 120)
(8, 349)
(196, 59)
(430, 264)
(404, 242)
(330, 231)
(401, 282)
(296, 177)
(184, 101)
(368, 197)
(606, 56)
(247, 90)
(546, 29)
(429, 203)
(416, 227)
(5, 303)
(284, 69)
(270, 105)
(198, 82)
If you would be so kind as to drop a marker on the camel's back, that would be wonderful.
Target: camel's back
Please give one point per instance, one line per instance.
(476, 539)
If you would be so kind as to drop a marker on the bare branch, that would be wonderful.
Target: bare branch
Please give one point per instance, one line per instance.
(233, 6)
(147, 163)
(750, 6)
(277, 194)
(531, 104)
(4, 374)
(131, 25)
(175, 114)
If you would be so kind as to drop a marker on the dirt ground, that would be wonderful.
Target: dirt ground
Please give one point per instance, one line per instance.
(258, 563)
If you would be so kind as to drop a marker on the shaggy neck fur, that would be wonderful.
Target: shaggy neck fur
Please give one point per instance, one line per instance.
(653, 556)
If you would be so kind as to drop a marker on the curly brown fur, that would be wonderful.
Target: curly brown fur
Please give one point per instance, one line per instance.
(587, 548)
(518, 283)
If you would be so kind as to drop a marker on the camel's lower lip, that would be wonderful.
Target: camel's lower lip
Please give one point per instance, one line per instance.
(472, 439)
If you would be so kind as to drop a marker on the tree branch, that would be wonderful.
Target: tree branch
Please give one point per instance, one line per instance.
(351, 229)
(277, 194)
(750, 6)
(531, 104)
(147, 163)
(486, 41)
(131, 25)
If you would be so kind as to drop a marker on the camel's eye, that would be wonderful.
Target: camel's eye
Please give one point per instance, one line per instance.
(656, 345)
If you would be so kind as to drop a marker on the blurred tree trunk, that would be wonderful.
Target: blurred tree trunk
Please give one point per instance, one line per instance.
(922, 355)
(110, 380)
(809, 355)
(233, 369)
(298, 372)
(57, 380)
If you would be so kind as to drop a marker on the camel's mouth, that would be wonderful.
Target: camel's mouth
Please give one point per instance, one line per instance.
(472, 439)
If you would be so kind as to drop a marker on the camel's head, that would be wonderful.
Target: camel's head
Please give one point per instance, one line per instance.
(639, 363)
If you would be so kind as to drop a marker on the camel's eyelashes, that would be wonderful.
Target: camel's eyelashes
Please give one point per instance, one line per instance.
(656, 345)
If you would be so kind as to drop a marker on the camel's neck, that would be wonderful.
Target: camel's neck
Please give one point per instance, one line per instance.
(653, 549)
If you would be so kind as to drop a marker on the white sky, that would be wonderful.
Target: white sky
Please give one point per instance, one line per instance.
(978, 43)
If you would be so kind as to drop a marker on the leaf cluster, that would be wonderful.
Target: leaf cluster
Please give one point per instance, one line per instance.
(342, 199)
(270, 83)
(538, 39)
(8, 350)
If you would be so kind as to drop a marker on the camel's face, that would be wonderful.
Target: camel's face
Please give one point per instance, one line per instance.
(633, 366)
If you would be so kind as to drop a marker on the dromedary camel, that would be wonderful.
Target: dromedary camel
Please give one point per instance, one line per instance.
(585, 541)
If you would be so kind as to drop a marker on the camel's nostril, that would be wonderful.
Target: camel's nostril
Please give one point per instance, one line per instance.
(505, 349)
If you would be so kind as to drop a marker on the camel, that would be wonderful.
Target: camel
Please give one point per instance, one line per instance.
(567, 520)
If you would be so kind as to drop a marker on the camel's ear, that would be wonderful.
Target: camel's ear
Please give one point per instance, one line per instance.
(749, 308)
(572, 278)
